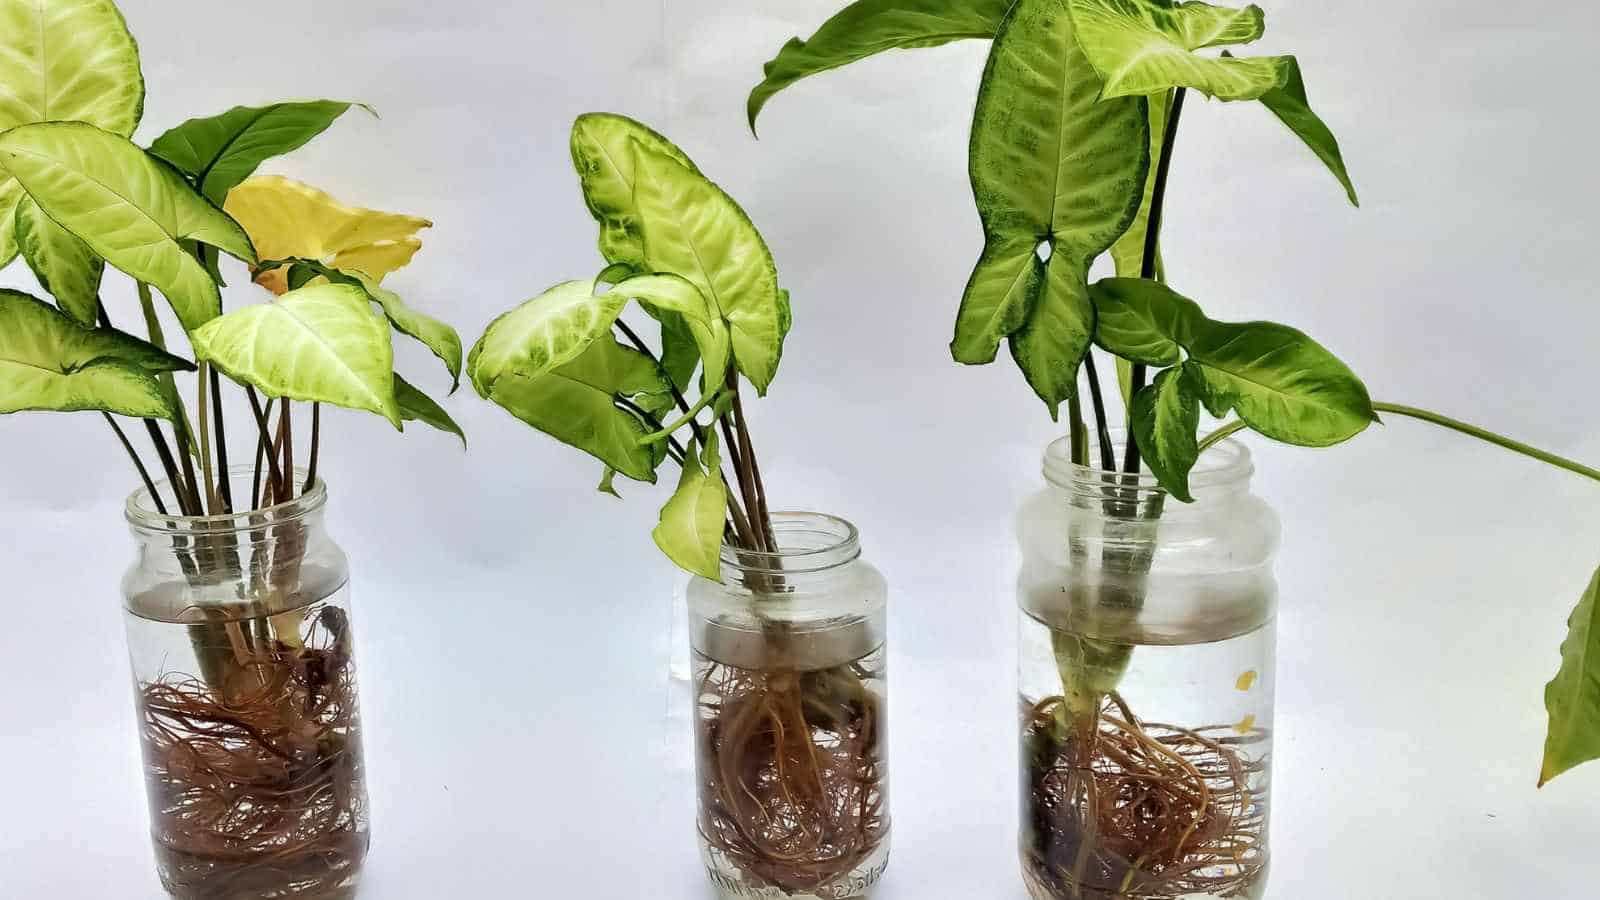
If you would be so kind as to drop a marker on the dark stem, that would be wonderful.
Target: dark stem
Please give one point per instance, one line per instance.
(1108, 455)
(274, 474)
(187, 503)
(747, 454)
(144, 474)
(316, 447)
(1152, 245)
(224, 483)
(286, 447)
(677, 395)
(263, 446)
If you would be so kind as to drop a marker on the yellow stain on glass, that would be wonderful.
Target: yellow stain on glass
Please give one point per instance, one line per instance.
(1247, 725)
(1247, 680)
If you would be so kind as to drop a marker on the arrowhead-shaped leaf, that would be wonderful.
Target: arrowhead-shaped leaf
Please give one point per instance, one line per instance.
(602, 153)
(543, 334)
(576, 403)
(48, 362)
(1288, 102)
(321, 344)
(1142, 47)
(415, 406)
(690, 532)
(290, 220)
(64, 265)
(65, 60)
(131, 209)
(1050, 163)
(1166, 422)
(219, 152)
(692, 228)
(1573, 698)
(869, 27)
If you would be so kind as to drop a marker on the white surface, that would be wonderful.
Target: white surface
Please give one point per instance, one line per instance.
(513, 624)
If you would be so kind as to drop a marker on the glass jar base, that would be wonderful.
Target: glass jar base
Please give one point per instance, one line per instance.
(1038, 889)
(733, 884)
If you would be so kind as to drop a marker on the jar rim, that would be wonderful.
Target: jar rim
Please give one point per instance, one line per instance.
(142, 514)
(1228, 463)
(834, 542)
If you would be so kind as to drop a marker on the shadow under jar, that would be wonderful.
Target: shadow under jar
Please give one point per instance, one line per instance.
(790, 688)
(1147, 664)
(239, 632)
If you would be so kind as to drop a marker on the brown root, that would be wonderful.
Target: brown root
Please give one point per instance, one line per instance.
(792, 788)
(1127, 810)
(256, 783)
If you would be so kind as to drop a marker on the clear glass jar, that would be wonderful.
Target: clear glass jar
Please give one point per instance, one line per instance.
(239, 632)
(790, 684)
(1147, 663)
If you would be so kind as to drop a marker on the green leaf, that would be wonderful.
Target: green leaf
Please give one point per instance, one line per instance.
(1288, 102)
(608, 483)
(602, 152)
(576, 403)
(415, 406)
(64, 265)
(869, 27)
(1573, 698)
(690, 532)
(11, 194)
(1142, 47)
(221, 151)
(48, 362)
(694, 229)
(1129, 250)
(1166, 424)
(319, 344)
(64, 60)
(1051, 164)
(128, 207)
(673, 294)
(680, 351)
(1141, 323)
(548, 331)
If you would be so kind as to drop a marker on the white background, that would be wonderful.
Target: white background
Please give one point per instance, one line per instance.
(513, 623)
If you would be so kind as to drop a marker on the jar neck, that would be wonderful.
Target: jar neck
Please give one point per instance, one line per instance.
(214, 547)
(1221, 476)
(811, 548)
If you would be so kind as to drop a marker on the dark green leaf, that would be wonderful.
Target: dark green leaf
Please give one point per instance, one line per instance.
(219, 152)
(1288, 102)
(415, 406)
(1166, 424)
(1573, 698)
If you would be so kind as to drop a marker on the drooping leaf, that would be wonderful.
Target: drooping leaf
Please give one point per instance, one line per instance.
(415, 406)
(1129, 251)
(1049, 163)
(690, 532)
(1573, 698)
(602, 153)
(1288, 102)
(548, 331)
(221, 151)
(869, 27)
(64, 265)
(576, 403)
(288, 219)
(48, 362)
(64, 60)
(320, 344)
(131, 209)
(1166, 423)
(694, 229)
(1142, 47)
(666, 293)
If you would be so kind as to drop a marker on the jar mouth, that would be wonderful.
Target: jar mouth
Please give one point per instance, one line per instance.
(807, 542)
(142, 514)
(1227, 464)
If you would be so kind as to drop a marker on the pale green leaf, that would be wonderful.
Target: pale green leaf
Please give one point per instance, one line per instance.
(602, 152)
(64, 265)
(1573, 698)
(1166, 423)
(48, 362)
(11, 194)
(1052, 164)
(680, 350)
(869, 27)
(415, 406)
(576, 403)
(219, 152)
(1129, 251)
(1288, 102)
(320, 344)
(1142, 47)
(64, 60)
(666, 293)
(608, 483)
(694, 229)
(691, 527)
(548, 331)
(128, 207)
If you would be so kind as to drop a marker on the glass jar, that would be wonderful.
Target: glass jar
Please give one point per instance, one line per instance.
(239, 632)
(790, 685)
(1147, 662)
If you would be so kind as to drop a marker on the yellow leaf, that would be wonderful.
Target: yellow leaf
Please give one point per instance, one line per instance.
(286, 218)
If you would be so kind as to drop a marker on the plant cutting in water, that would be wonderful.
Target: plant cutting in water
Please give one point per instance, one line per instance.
(786, 749)
(1076, 124)
(254, 760)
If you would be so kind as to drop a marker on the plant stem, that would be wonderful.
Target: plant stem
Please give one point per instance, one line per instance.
(1108, 456)
(286, 446)
(747, 451)
(1152, 245)
(225, 484)
(1481, 434)
(263, 446)
(273, 472)
(687, 418)
(316, 447)
(1220, 435)
(144, 474)
(212, 503)
(1078, 430)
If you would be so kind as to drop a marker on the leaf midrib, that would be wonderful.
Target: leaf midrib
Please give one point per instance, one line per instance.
(322, 342)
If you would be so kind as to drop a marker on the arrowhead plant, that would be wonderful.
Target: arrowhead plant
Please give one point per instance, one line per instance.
(1076, 125)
